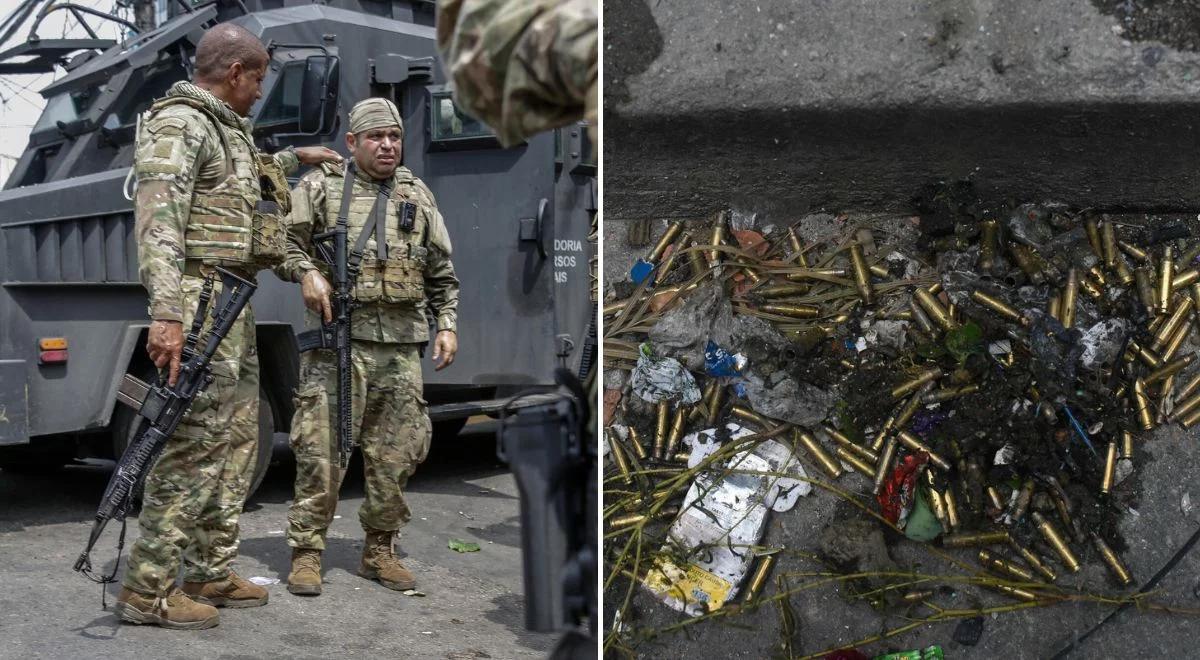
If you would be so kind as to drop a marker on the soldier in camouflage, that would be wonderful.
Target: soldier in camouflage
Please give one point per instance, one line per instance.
(522, 66)
(200, 204)
(409, 273)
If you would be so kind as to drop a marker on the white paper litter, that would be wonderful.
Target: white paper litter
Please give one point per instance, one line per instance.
(264, 581)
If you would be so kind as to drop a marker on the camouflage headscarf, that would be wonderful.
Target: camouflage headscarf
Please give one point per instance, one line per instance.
(374, 113)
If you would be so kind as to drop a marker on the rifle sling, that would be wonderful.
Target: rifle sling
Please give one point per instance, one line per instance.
(377, 224)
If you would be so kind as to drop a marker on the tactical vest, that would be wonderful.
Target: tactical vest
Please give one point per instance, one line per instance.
(238, 221)
(399, 279)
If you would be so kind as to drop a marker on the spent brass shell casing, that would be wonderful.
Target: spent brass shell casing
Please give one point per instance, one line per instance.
(999, 564)
(681, 456)
(1189, 388)
(701, 410)
(748, 415)
(660, 429)
(1136, 253)
(1124, 275)
(1166, 275)
(936, 311)
(1052, 536)
(922, 319)
(1026, 261)
(878, 270)
(910, 408)
(673, 230)
(1148, 357)
(765, 562)
(794, 241)
(718, 238)
(714, 409)
(1112, 560)
(1015, 592)
(914, 444)
(1090, 288)
(1185, 279)
(1054, 306)
(1024, 497)
(934, 288)
(613, 309)
(951, 503)
(1108, 239)
(842, 440)
(1176, 341)
(696, 261)
(792, 311)
(987, 244)
(815, 274)
(999, 307)
(862, 276)
(781, 291)
(1168, 328)
(1141, 404)
(855, 461)
(907, 387)
(881, 436)
(1110, 469)
(913, 597)
(1169, 369)
(1069, 294)
(676, 433)
(994, 498)
(1033, 560)
(1093, 233)
(818, 453)
(1097, 274)
(752, 275)
(664, 269)
(1184, 407)
(1126, 444)
(635, 440)
(1145, 288)
(618, 454)
(633, 519)
(883, 468)
(970, 539)
(1190, 420)
(948, 393)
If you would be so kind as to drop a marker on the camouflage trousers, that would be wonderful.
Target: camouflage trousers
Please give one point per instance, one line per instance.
(195, 492)
(390, 422)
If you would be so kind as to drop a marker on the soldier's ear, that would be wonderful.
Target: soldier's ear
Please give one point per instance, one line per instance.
(351, 141)
(234, 74)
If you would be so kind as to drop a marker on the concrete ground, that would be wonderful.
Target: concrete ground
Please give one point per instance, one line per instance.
(473, 606)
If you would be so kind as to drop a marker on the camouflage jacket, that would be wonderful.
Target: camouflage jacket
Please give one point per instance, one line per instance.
(521, 66)
(198, 184)
(393, 294)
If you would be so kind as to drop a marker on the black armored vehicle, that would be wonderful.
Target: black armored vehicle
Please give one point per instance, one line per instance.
(73, 314)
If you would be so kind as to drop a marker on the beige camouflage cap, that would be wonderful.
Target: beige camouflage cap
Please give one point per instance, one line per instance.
(374, 113)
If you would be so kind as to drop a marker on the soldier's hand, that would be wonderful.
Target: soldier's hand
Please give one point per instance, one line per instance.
(316, 292)
(445, 345)
(165, 345)
(316, 155)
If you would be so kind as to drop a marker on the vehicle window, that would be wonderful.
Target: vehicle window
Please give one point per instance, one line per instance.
(283, 105)
(450, 123)
(62, 107)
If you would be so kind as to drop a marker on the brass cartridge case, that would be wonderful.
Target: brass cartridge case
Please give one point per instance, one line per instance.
(842, 440)
(612, 309)
(1126, 444)
(1112, 560)
(669, 263)
(660, 429)
(907, 387)
(1110, 469)
(883, 468)
(792, 311)
(748, 415)
(1189, 388)
(934, 288)
(1028, 262)
(987, 244)
(1070, 292)
(1093, 234)
(914, 443)
(794, 241)
(878, 270)
(701, 410)
(936, 311)
(681, 456)
(618, 454)
(676, 431)
(1176, 341)
(910, 408)
(696, 261)
(811, 273)
(1168, 328)
(1185, 279)
(1136, 253)
(1148, 357)
(1166, 275)
(862, 276)
(999, 564)
(752, 275)
(951, 503)
(621, 522)
(994, 498)
(1015, 592)
(765, 562)
(1169, 369)
(1054, 306)
(1189, 420)
(1124, 275)
(855, 461)
(1097, 274)
(922, 319)
(668, 236)
(822, 457)
(948, 393)
(714, 408)
(718, 237)
(1145, 288)
(636, 441)
(1033, 560)
(913, 597)
(1108, 238)
(1024, 497)
(1141, 404)
(937, 501)
(999, 307)
(1184, 407)
(1090, 288)
(882, 434)
(781, 291)
(1056, 541)
(970, 539)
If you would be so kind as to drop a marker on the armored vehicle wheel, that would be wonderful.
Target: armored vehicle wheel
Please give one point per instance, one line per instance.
(448, 429)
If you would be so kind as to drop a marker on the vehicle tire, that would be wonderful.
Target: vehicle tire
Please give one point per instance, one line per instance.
(36, 459)
(448, 429)
(127, 424)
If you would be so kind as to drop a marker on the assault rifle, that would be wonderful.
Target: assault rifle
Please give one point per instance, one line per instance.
(162, 406)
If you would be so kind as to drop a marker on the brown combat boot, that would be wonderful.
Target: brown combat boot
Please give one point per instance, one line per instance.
(305, 578)
(176, 611)
(232, 591)
(379, 562)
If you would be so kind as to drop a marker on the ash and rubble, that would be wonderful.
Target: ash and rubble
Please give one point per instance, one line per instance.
(1038, 412)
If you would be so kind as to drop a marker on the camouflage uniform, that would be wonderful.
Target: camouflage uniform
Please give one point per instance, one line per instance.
(390, 417)
(198, 206)
(521, 66)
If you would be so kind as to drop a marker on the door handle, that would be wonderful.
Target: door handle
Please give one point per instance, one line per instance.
(531, 229)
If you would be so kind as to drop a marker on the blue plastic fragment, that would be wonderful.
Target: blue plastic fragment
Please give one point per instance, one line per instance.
(1079, 429)
(640, 271)
(721, 363)
(739, 389)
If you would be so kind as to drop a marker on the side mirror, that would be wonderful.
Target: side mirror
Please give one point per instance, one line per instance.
(319, 94)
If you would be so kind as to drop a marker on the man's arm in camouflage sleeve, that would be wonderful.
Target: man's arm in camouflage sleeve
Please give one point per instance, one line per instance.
(287, 160)
(165, 168)
(306, 218)
(441, 284)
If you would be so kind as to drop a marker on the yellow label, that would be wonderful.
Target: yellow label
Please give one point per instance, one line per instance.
(690, 584)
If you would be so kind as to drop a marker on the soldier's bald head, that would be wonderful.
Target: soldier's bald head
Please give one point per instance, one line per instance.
(224, 44)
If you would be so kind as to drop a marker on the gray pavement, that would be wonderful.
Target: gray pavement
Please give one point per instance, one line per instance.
(473, 607)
